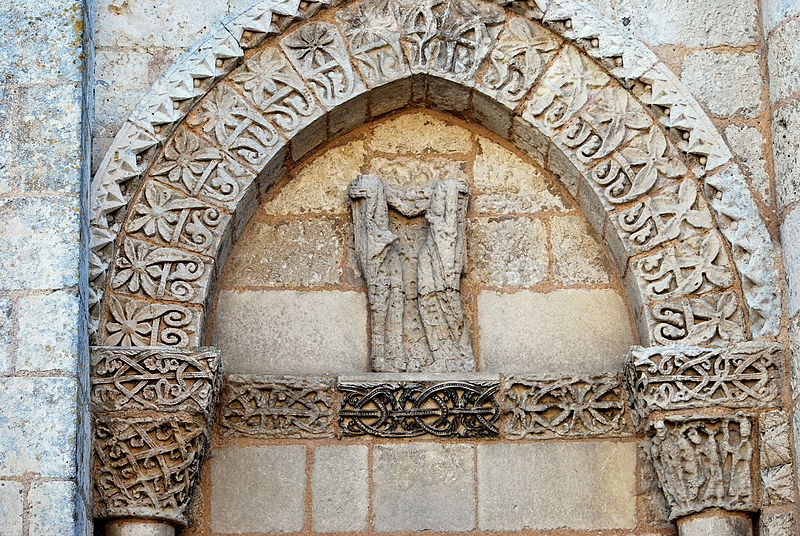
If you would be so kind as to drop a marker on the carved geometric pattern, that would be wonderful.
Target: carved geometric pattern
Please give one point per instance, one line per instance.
(679, 377)
(413, 409)
(703, 463)
(158, 379)
(710, 319)
(151, 416)
(567, 407)
(145, 467)
(132, 322)
(777, 467)
(278, 407)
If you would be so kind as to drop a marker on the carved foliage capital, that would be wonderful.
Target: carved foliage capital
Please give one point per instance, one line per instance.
(152, 410)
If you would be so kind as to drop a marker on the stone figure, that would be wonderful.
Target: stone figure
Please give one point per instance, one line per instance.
(413, 270)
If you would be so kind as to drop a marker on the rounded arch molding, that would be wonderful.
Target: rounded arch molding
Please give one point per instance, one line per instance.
(273, 82)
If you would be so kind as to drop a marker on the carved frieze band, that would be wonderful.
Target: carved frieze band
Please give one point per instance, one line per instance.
(703, 463)
(151, 418)
(416, 408)
(413, 405)
(745, 375)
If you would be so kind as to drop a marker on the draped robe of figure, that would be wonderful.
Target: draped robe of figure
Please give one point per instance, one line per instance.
(440, 262)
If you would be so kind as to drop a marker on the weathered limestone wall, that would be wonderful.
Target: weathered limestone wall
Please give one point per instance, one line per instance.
(781, 21)
(44, 132)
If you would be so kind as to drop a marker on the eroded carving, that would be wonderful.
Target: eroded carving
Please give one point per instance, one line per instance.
(566, 407)
(703, 463)
(681, 377)
(417, 321)
(777, 467)
(417, 408)
(151, 418)
(449, 37)
(278, 407)
(711, 319)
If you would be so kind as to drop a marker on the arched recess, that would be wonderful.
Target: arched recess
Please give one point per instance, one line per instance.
(657, 181)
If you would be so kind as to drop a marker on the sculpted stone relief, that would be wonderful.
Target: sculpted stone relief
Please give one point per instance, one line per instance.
(416, 317)
(603, 130)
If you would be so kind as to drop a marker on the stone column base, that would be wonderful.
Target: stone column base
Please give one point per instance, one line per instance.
(716, 523)
(132, 527)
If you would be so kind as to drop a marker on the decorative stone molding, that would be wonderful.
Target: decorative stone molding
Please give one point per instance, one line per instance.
(591, 406)
(152, 412)
(746, 375)
(704, 463)
(651, 194)
(411, 405)
(267, 406)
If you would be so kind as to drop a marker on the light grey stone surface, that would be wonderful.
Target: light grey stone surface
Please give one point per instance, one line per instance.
(127, 527)
(8, 178)
(790, 234)
(38, 436)
(728, 84)
(550, 485)
(794, 354)
(507, 251)
(774, 12)
(291, 332)
(40, 243)
(7, 331)
(718, 524)
(258, 489)
(288, 254)
(578, 256)
(749, 145)
(46, 336)
(52, 508)
(562, 332)
(786, 150)
(777, 525)
(423, 486)
(783, 55)
(340, 488)
(10, 507)
(699, 24)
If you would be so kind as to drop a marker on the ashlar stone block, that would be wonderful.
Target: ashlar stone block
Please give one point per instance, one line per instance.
(292, 332)
(562, 332)
(339, 488)
(786, 148)
(6, 336)
(790, 230)
(47, 338)
(550, 485)
(423, 486)
(258, 489)
(579, 258)
(10, 507)
(507, 251)
(40, 244)
(728, 84)
(750, 146)
(52, 508)
(418, 133)
(37, 431)
(305, 253)
(784, 60)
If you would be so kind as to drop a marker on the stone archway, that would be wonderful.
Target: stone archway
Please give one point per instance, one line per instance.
(271, 84)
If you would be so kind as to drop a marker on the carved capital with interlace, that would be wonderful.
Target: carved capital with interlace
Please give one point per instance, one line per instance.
(152, 409)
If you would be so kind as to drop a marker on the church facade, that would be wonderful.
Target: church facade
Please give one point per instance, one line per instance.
(362, 267)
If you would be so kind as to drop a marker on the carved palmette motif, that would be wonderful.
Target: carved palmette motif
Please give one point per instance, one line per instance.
(318, 52)
(776, 460)
(518, 58)
(682, 377)
(449, 37)
(710, 319)
(151, 421)
(128, 321)
(278, 407)
(703, 463)
(373, 34)
(565, 407)
(413, 409)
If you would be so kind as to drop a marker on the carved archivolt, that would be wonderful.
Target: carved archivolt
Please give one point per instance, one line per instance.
(211, 133)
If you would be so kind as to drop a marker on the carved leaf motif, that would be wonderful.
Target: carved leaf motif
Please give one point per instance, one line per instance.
(318, 52)
(519, 58)
(372, 32)
(135, 323)
(275, 89)
(712, 319)
(158, 272)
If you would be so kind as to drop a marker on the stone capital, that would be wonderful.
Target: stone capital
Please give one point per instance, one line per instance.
(152, 410)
